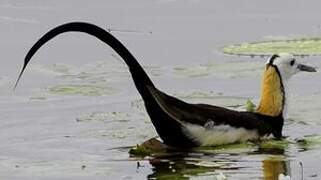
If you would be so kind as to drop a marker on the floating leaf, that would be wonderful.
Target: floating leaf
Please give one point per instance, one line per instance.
(303, 47)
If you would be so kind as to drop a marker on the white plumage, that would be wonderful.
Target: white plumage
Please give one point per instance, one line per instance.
(219, 135)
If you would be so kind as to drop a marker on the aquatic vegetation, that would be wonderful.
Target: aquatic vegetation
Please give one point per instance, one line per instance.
(250, 106)
(236, 148)
(53, 68)
(197, 94)
(140, 150)
(154, 70)
(104, 116)
(309, 142)
(149, 147)
(196, 71)
(153, 146)
(274, 144)
(303, 47)
(84, 90)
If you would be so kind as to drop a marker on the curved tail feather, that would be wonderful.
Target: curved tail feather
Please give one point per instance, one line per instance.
(167, 126)
(139, 75)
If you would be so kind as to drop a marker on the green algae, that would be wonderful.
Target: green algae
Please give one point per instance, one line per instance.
(250, 106)
(140, 150)
(148, 148)
(247, 147)
(236, 148)
(309, 142)
(152, 147)
(84, 90)
(196, 71)
(274, 144)
(104, 116)
(303, 47)
(53, 68)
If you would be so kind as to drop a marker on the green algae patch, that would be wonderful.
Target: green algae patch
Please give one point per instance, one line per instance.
(246, 147)
(274, 144)
(309, 142)
(229, 148)
(302, 47)
(84, 90)
(53, 68)
(148, 148)
(140, 150)
(104, 116)
(155, 148)
(196, 71)
(250, 106)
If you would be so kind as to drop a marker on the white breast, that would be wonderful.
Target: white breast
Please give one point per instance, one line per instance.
(219, 135)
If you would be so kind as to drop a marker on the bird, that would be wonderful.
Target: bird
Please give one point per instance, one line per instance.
(186, 125)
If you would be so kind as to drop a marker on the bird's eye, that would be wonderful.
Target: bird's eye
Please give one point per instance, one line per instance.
(292, 62)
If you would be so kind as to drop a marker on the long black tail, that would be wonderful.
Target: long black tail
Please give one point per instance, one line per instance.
(139, 75)
(167, 127)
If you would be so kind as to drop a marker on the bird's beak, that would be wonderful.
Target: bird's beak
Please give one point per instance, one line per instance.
(306, 68)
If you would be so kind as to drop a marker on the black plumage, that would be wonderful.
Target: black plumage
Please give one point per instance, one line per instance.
(168, 114)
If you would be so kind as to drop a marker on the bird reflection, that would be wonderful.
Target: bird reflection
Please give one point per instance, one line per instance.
(184, 165)
(272, 168)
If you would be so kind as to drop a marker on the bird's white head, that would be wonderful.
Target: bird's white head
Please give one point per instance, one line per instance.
(287, 65)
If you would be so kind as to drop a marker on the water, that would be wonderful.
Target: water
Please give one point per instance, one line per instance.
(76, 112)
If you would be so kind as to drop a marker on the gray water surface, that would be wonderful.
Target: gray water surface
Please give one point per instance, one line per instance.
(76, 112)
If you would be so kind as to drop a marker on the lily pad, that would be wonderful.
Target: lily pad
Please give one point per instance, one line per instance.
(301, 47)
(84, 90)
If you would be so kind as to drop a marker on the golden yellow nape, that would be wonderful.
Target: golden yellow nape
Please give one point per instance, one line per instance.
(272, 93)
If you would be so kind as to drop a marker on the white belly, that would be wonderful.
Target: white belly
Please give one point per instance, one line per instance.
(219, 135)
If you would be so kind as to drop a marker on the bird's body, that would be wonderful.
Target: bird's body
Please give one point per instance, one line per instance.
(186, 125)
